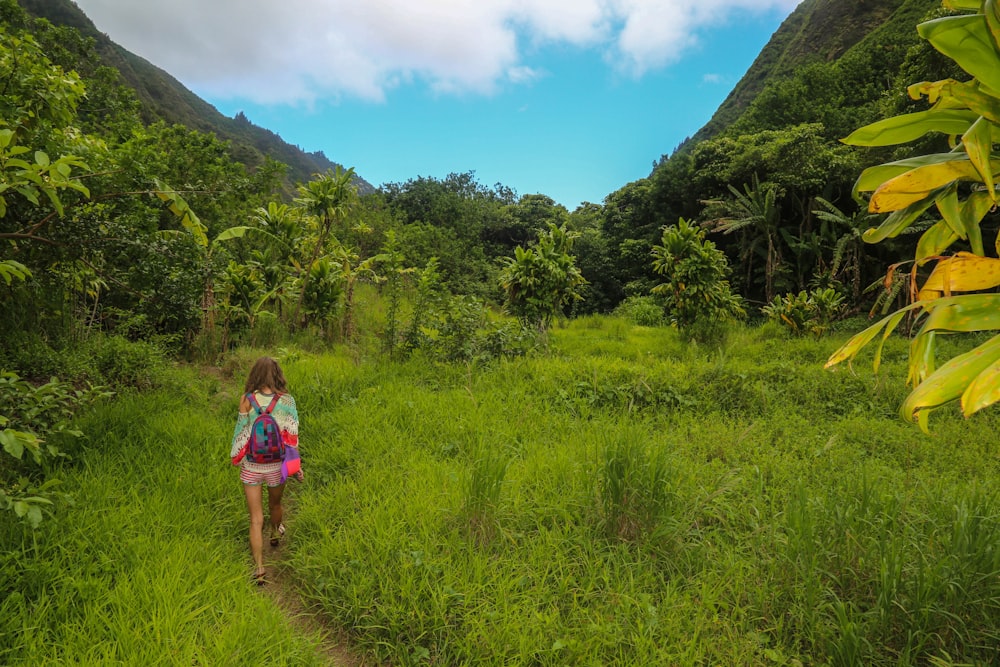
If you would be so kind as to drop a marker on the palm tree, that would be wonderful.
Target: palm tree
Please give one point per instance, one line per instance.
(329, 197)
(757, 214)
(849, 251)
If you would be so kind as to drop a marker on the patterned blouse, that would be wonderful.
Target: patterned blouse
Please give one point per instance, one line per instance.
(288, 421)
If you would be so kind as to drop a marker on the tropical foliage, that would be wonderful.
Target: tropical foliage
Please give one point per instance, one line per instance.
(806, 312)
(961, 185)
(694, 273)
(541, 280)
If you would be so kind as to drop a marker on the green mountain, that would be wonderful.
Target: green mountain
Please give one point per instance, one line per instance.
(823, 32)
(165, 98)
(772, 153)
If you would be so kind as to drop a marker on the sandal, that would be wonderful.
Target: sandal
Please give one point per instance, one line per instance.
(277, 534)
(259, 578)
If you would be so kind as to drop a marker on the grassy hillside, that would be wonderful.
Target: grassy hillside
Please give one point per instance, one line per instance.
(624, 500)
(165, 98)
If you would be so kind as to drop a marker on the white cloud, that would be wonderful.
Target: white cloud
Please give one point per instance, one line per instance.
(303, 50)
(711, 78)
(524, 75)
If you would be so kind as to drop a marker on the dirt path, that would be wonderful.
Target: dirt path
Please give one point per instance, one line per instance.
(280, 588)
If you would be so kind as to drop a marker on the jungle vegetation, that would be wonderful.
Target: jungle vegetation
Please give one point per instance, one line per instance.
(850, 173)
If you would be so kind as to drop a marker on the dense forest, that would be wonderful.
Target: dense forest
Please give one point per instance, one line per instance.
(767, 180)
(132, 211)
(119, 220)
(162, 98)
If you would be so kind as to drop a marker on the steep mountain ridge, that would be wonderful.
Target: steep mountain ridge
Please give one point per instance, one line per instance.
(816, 31)
(165, 98)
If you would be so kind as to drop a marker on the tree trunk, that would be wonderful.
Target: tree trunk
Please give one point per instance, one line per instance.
(348, 307)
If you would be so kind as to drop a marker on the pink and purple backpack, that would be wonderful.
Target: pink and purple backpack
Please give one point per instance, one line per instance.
(266, 445)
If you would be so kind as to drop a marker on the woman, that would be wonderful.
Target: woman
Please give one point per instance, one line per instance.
(265, 390)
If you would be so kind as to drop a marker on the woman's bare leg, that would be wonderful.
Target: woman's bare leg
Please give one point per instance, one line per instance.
(275, 510)
(254, 504)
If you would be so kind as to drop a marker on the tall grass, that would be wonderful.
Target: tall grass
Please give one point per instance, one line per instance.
(625, 499)
(148, 566)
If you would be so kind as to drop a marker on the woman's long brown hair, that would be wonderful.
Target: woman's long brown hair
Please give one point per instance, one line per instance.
(266, 373)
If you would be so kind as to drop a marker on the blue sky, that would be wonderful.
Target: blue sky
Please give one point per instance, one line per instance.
(572, 99)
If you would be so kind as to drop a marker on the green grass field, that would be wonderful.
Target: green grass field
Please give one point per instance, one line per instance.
(624, 499)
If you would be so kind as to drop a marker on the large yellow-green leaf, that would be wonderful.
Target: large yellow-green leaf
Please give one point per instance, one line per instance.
(983, 391)
(890, 326)
(950, 381)
(978, 144)
(233, 233)
(901, 129)
(935, 241)
(964, 272)
(963, 5)
(964, 313)
(962, 218)
(921, 358)
(967, 41)
(932, 90)
(897, 221)
(952, 95)
(976, 98)
(917, 184)
(850, 349)
(872, 177)
(991, 8)
(975, 207)
(179, 207)
(951, 211)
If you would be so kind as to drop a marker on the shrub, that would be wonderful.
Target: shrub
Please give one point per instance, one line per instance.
(35, 425)
(542, 280)
(806, 312)
(644, 311)
(123, 363)
(461, 331)
(695, 287)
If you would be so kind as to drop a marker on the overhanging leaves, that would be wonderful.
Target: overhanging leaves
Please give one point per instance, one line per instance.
(905, 128)
(967, 41)
(872, 177)
(935, 241)
(965, 272)
(850, 349)
(951, 380)
(916, 184)
(179, 207)
(965, 313)
(978, 144)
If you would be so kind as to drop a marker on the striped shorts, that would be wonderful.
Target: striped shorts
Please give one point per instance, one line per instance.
(256, 474)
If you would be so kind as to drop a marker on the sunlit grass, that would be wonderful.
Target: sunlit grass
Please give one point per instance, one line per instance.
(149, 564)
(624, 499)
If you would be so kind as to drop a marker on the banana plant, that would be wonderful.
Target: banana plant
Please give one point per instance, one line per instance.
(330, 197)
(961, 186)
(352, 268)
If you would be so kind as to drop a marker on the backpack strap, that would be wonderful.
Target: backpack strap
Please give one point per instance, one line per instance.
(256, 406)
